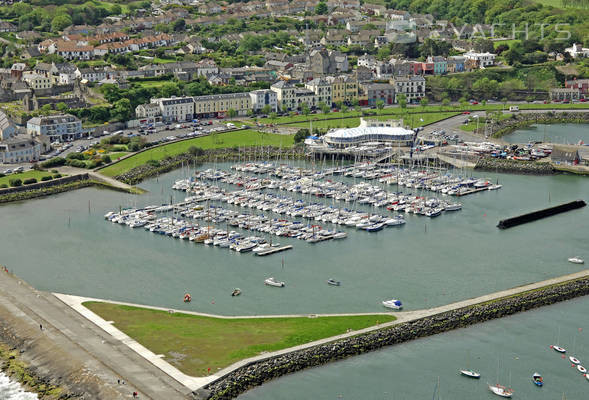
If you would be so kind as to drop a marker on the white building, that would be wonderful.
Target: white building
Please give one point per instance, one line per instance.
(263, 97)
(176, 108)
(322, 89)
(577, 51)
(413, 87)
(219, 104)
(19, 148)
(37, 81)
(60, 128)
(150, 110)
(396, 136)
(483, 59)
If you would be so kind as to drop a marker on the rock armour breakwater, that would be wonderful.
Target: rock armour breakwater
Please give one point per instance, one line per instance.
(514, 166)
(259, 372)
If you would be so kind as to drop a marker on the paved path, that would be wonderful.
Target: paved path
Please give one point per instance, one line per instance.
(194, 383)
(70, 342)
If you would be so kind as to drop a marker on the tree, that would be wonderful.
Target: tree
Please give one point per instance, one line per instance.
(344, 109)
(402, 100)
(273, 115)
(445, 102)
(231, 113)
(266, 109)
(60, 22)
(324, 107)
(116, 9)
(284, 108)
(301, 135)
(424, 102)
(305, 110)
(339, 104)
(169, 89)
(179, 25)
(122, 110)
(379, 104)
(321, 8)
(61, 106)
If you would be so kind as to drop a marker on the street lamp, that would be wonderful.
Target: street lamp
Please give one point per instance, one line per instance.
(477, 117)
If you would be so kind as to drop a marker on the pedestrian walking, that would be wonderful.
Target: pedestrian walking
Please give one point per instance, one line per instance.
(41, 326)
(135, 394)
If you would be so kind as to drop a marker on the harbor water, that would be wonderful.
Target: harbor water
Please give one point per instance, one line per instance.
(558, 133)
(10, 390)
(506, 351)
(63, 244)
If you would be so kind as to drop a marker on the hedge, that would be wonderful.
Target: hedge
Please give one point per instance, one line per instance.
(15, 182)
(30, 181)
(46, 178)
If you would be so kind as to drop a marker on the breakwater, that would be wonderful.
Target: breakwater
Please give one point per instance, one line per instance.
(536, 215)
(514, 166)
(256, 373)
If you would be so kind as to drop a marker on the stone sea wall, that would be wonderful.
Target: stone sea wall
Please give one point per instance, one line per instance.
(514, 166)
(153, 168)
(254, 374)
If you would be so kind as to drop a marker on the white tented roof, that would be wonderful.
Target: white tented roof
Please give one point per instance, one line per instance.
(369, 133)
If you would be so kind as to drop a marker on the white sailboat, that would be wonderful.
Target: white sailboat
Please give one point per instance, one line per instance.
(576, 260)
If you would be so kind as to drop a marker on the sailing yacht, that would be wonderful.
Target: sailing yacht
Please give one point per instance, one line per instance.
(500, 391)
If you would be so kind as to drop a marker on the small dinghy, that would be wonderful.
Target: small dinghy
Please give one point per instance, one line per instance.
(333, 282)
(581, 369)
(574, 360)
(470, 373)
(393, 303)
(187, 298)
(273, 282)
(559, 349)
(537, 379)
(576, 260)
(236, 292)
(501, 391)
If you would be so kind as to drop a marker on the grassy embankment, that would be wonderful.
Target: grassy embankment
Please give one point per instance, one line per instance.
(472, 126)
(25, 175)
(414, 121)
(195, 343)
(215, 141)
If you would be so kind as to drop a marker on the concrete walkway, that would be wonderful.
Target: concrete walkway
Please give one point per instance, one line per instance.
(63, 343)
(194, 383)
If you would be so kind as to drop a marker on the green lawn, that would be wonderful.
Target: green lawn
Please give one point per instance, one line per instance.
(246, 137)
(412, 119)
(194, 343)
(158, 60)
(24, 175)
(114, 156)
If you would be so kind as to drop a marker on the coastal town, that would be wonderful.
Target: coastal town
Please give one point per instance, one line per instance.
(201, 196)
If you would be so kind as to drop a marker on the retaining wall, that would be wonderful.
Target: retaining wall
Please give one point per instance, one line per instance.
(46, 184)
(257, 373)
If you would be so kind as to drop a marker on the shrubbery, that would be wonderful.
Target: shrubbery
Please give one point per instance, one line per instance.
(76, 156)
(15, 182)
(56, 176)
(46, 178)
(30, 181)
(106, 159)
(3, 186)
(76, 163)
(54, 162)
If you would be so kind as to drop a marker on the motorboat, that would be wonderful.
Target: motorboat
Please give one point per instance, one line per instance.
(574, 360)
(537, 379)
(559, 349)
(333, 282)
(581, 369)
(500, 391)
(187, 298)
(394, 304)
(273, 282)
(340, 235)
(374, 227)
(470, 373)
(453, 207)
(236, 292)
(576, 260)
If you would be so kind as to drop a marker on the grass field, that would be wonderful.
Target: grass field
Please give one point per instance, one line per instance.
(24, 175)
(413, 120)
(194, 343)
(246, 137)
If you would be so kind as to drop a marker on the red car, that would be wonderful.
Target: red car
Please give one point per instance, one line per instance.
(466, 112)
(474, 103)
(582, 100)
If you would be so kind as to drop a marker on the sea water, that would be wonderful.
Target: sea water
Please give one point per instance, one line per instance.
(10, 390)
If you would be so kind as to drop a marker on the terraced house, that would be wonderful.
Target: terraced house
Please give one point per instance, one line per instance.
(219, 104)
(175, 108)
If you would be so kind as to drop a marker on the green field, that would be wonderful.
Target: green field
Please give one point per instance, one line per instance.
(195, 343)
(246, 137)
(24, 175)
(413, 120)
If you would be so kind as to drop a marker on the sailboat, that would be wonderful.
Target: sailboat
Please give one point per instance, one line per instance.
(500, 391)
(469, 372)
